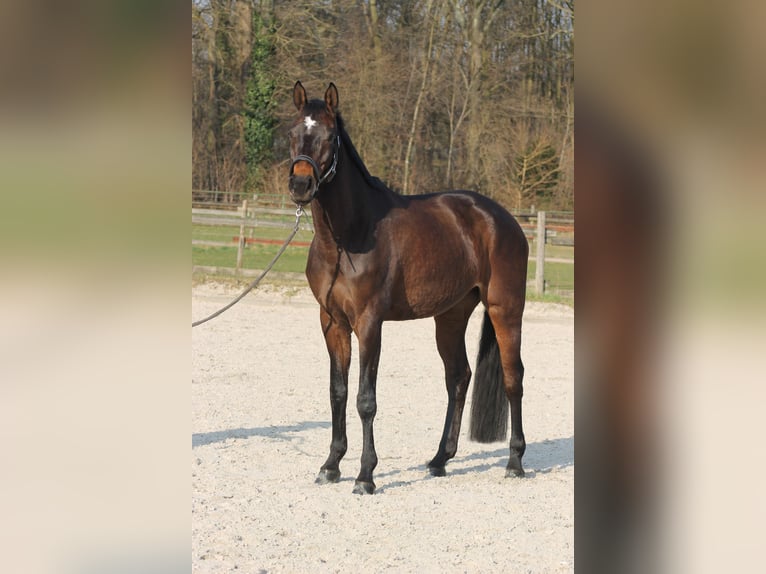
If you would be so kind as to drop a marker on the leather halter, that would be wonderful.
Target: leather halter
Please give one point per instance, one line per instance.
(329, 174)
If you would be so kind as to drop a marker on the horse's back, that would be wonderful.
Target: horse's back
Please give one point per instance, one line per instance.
(477, 220)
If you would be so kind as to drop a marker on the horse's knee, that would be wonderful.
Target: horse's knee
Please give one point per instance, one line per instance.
(366, 405)
(338, 392)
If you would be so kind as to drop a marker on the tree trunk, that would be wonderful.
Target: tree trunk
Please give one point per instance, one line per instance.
(418, 101)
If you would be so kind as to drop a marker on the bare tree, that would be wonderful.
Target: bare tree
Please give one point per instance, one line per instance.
(435, 93)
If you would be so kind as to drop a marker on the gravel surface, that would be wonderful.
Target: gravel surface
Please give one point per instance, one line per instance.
(261, 430)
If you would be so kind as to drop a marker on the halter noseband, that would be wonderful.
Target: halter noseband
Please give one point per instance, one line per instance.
(329, 174)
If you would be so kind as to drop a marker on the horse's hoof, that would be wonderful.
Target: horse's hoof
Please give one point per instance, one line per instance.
(362, 487)
(326, 476)
(514, 473)
(437, 471)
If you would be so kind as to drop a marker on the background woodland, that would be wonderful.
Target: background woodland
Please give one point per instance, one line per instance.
(436, 94)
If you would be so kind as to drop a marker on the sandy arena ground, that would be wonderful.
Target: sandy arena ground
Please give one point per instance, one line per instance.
(261, 430)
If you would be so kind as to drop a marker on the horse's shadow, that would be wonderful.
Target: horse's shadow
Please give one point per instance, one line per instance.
(280, 432)
(540, 458)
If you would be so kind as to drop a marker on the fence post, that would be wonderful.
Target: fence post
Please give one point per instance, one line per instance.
(241, 242)
(540, 257)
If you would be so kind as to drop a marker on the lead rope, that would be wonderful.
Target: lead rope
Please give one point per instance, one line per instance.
(254, 284)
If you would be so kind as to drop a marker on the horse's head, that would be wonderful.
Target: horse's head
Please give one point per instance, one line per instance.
(314, 143)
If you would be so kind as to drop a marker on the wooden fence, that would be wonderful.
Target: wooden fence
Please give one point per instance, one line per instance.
(556, 228)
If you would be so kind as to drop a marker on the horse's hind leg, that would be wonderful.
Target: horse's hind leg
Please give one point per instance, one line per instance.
(450, 340)
(507, 324)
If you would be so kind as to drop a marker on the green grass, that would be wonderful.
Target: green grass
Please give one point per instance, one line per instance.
(255, 257)
(551, 298)
(558, 276)
(562, 251)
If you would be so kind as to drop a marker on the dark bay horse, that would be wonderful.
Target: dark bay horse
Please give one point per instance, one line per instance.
(378, 256)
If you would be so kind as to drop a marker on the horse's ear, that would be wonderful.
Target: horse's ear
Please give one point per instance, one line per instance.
(331, 98)
(299, 95)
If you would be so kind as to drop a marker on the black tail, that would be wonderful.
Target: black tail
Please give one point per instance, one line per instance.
(489, 408)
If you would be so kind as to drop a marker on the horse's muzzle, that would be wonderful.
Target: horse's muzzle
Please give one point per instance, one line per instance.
(302, 188)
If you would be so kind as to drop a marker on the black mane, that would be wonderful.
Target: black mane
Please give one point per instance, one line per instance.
(373, 181)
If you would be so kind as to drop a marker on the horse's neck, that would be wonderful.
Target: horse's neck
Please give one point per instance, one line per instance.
(347, 208)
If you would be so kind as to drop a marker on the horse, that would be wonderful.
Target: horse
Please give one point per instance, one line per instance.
(380, 256)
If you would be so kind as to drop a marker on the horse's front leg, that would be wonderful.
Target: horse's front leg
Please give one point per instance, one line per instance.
(368, 333)
(338, 339)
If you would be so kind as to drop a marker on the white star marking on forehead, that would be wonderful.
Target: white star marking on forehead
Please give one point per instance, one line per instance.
(310, 123)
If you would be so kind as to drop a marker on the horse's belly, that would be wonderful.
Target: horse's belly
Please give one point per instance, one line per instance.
(429, 289)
